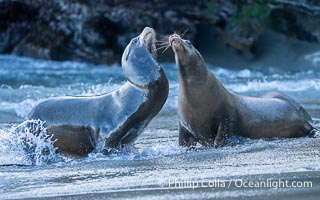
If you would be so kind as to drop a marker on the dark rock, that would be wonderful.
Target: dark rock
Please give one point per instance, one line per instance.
(94, 31)
(297, 19)
(13, 26)
(97, 31)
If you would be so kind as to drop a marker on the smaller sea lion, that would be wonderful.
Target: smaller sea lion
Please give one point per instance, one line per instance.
(209, 113)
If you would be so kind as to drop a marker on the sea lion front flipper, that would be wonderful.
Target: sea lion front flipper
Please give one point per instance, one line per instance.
(221, 137)
(186, 139)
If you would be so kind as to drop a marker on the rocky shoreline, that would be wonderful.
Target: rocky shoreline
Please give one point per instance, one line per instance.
(97, 31)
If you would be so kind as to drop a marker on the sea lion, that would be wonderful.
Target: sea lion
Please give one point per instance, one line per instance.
(209, 113)
(107, 122)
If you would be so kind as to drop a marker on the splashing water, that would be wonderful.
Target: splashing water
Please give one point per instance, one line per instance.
(27, 144)
(141, 171)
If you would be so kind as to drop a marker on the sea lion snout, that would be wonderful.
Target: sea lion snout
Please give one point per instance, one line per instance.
(180, 46)
(148, 35)
(148, 38)
(175, 40)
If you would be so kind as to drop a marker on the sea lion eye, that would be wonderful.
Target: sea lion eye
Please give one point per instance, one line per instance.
(188, 42)
(134, 41)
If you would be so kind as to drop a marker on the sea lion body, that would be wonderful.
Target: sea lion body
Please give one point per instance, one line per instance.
(107, 122)
(209, 113)
(270, 117)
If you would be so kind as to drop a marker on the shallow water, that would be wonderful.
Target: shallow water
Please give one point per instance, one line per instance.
(155, 168)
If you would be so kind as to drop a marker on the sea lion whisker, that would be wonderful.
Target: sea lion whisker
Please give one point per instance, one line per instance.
(180, 33)
(165, 36)
(166, 48)
(176, 32)
(162, 40)
(184, 32)
(164, 43)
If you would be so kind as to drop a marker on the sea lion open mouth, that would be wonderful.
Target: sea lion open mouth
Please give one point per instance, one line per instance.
(178, 44)
(175, 40)
(148, 38)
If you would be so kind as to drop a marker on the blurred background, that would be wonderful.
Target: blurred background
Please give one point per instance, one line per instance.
(263, 34)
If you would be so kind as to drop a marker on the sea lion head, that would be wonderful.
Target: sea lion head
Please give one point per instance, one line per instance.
(187, 57)
(138, 59)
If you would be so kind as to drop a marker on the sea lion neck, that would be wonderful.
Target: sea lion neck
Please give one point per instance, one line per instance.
(190, 68)
(139, 66)
(138, 60)
(194, 76)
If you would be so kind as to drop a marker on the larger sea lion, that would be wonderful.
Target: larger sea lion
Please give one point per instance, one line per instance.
(80, 124)
(209, 113)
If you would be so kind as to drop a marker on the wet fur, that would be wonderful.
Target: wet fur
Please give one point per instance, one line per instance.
(209, 113)
(107, 122)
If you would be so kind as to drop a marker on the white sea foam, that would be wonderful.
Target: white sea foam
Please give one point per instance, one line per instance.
(280, 85)
(314, 58)
(244, 73)
(19, 145)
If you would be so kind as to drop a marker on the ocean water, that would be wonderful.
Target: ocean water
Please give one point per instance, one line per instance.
(155, 167)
